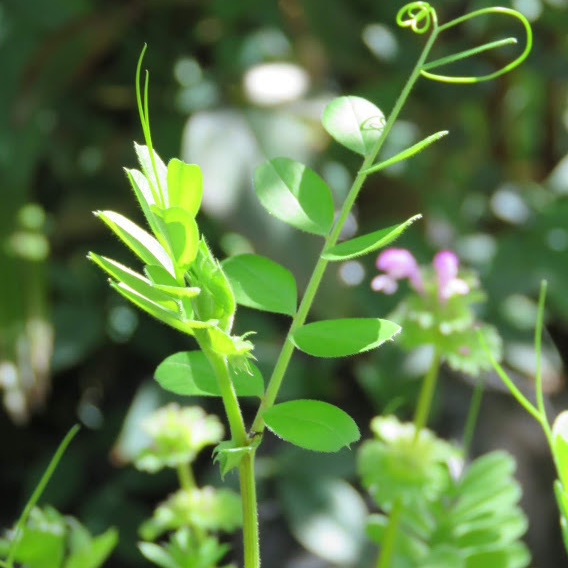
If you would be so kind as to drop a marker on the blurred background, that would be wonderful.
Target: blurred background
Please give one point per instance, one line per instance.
(233, 83)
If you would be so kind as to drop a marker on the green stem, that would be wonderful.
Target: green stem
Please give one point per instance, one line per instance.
(387, 549)
(321, 264)
(426, 395)
(185, 476)
(240, 437)
(228, 394)
(538, 350)
(472, 416)
(250, 512)
(37, 494)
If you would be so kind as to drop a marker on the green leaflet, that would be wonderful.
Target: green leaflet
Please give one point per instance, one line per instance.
(159, 275)
(261, 283)
(354, 122)
(135, 281)
(560, 445)
(144, 245)
(408, 153)
(144, 195)
(562, 500)
(180, 231)
(159, 185)
(295, 194)
(341, 337)
(169, 317)
(189, 373)
(185, 186)
(312, 424)
(216, 300)
(367, 243)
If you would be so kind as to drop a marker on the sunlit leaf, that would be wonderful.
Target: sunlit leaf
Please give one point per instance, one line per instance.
(189, 373)
(142, 244)
(135, 281)
(261, 283)
(185, 186)
(354, 122)
(409, 152)
(169, 317)
(295, 194)
(367, 243)
(312, 424)
(341, 337)
(160, 185)
(144, 195)
(181, 234)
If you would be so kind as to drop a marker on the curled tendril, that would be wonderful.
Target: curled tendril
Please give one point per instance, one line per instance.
(417, 16)
(485, 47)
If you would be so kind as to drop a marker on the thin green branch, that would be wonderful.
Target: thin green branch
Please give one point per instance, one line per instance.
(38, 492)
(469, 53)
(426, 395)
(521, 398)
(185, 476)
(538, 350)
(389, 542)
(472, 415)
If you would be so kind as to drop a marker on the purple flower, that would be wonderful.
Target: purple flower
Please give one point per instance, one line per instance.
(446, 265)
(397, 264)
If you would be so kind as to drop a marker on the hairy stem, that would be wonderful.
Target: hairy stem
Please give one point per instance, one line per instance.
(228, 394)
(426, 395)
(246, 467)
(321, 264)
(251, 539)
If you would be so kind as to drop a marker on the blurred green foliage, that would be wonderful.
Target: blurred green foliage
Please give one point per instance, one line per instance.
(494, 190)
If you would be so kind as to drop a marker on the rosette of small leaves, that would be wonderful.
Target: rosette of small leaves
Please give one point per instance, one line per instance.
(177, 435)
(398, 464)
(450, 326)
(51, 540)
(185, 550)
(470, 520)
(202, 509)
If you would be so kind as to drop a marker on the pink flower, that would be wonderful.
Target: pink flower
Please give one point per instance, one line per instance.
(397, 264)
(446, 265)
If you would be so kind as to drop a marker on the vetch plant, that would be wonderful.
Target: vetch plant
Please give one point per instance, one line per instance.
(183, 285)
